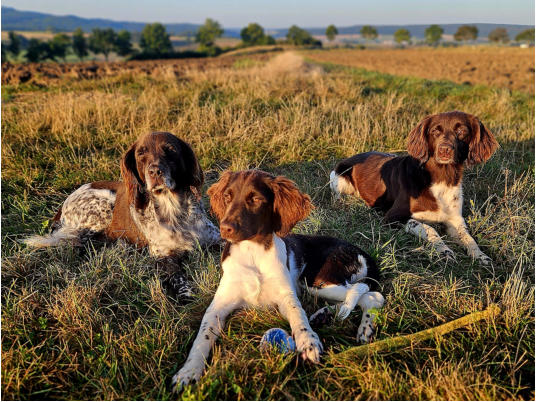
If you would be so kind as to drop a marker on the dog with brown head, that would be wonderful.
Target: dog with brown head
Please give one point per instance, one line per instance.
(451, 138)
(158, 163)
(252, 205)
(426, 185)
(264, 265)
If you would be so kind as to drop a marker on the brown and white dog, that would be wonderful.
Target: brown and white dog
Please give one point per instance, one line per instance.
(264, 265)
(426, 185)
(156, 205)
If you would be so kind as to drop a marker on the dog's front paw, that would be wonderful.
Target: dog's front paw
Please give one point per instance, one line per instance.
(483, 259)
(308, 345)
(366, 330)
(447, 254)
(178, 287)
(324, 316)
(189, 373)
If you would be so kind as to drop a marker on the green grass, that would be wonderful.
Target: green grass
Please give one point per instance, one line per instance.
(94, 323)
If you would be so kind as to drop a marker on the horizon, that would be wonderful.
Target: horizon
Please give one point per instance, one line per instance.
(52, 5)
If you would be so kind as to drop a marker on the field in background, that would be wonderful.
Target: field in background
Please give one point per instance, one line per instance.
(94, 323)
(505, 67)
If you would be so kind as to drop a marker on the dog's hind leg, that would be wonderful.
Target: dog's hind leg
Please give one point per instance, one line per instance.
(349, 295)
(354, 293)
(340, 185)
(368, 302)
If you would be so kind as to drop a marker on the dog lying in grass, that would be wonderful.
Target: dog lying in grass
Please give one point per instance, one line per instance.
(426, 185)
(263, 265)
(156, 205)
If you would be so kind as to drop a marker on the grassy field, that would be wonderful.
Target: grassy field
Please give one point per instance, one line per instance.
(94, 323)
(498, 66)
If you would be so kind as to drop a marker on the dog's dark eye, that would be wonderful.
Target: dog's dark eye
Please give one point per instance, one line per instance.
(141, 151)
(169, 149)
(254, 199)
(462, 131)
(227, 198)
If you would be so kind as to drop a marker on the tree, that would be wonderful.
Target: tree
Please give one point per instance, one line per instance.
(123, 45)
(466, 32)
(14, 44)
(208, 33)
(155, 40)
(79, 44)
(269, 40)
(525, 36)
(37, 51)
(331, 32)
(102, 41)
(499, 35)
(402, 35)
(369, 32)
(253, 34)
(299, 36)
(58, 46)
(433, 34)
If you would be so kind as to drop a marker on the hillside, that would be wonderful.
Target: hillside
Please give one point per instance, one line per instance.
(16, 20)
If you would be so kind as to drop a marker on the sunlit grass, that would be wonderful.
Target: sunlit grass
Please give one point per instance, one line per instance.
(94, 323)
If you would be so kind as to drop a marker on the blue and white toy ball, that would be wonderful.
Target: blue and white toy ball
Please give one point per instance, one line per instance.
(278, 338)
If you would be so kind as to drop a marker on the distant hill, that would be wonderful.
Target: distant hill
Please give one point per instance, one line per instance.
(16, 20)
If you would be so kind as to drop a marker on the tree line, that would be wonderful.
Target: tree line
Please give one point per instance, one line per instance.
(434, 33)
(155, 42)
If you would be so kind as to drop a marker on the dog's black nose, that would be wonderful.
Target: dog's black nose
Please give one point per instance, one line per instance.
(155, 171)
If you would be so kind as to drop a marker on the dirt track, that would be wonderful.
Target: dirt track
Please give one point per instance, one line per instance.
(505, 67)
(46, 73)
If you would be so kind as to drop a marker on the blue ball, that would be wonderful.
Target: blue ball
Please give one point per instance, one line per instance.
(279, 339)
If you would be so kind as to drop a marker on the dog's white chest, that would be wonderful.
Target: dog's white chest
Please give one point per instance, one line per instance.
(256, 273)
(449, 201)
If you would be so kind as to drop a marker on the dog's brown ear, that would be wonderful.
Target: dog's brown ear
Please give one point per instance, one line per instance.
(290, 204)
(215, 192)
(482, 144)
(192, 174)
(418, 141)
(129, 172)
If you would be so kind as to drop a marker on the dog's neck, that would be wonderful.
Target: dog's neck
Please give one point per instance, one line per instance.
(450, 174)
(248, 251)
(171, 206)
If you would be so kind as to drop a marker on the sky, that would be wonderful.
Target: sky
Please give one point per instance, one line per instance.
(283, 13)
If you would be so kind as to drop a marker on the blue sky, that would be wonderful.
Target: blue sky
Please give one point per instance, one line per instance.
(283, 13)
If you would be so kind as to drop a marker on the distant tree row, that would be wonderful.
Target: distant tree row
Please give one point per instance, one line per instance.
(155, 41)
(99, 41)
(434, 33)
